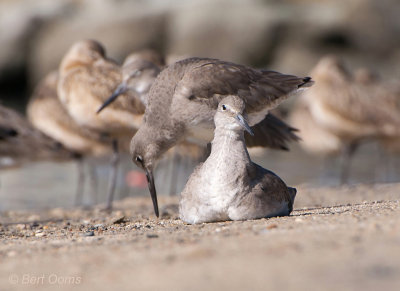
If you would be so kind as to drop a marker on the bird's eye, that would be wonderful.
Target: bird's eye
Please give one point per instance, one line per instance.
(139, 159)
(223, 107)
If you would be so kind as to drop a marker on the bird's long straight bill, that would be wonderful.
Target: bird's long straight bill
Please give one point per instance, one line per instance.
(120, 90)
(240, 119)
(152, 189)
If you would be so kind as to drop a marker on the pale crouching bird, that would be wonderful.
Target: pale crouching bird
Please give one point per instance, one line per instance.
(228, 185)
(183, 100)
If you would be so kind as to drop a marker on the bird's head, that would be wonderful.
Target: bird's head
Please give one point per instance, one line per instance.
(138, 74)
(82, 52)
(231, 115)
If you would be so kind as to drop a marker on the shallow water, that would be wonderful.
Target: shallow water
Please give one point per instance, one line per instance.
(47, 184)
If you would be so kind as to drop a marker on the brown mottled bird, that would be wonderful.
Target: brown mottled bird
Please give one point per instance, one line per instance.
(315, 139)
(46, 112)
(20, 142)
(352, 107)
(86, 79)
(184, 98)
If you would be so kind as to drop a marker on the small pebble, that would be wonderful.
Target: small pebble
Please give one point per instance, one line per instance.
(89, 233)
(120, 220)
(271, 226)
(152, 235)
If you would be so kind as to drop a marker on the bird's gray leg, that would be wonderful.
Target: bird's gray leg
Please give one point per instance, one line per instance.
(94, 182)
(347, 154)
(328, 163)
(113, 175)
(124, 188)
(81, 181)
(384, 171)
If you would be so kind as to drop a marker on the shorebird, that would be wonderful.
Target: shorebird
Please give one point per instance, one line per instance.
(350, 108)
(183, 100)
(315, 139)
(86, 79)
(139, 71)
(47, 114)
(20, 142)
(228, 185)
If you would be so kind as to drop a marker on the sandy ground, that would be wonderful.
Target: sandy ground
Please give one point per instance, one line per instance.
(343, 238)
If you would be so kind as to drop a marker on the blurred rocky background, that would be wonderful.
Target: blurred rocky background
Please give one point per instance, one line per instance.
(286, 35)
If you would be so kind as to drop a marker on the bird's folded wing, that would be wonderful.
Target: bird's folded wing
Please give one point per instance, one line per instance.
(273, 133)
(211, 80)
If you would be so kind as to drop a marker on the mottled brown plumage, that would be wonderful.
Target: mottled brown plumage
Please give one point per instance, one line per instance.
(86, 79)
(46, 112)
(315, 139)
(346, 109)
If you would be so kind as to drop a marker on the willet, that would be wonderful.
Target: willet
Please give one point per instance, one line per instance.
(86, 79)
(47, 114)
(352, 107)
(228, 185)
(184, 98)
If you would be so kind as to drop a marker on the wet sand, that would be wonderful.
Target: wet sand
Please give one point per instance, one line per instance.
(337, 238)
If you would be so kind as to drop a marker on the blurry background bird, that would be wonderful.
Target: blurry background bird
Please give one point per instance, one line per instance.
(20, 142)
(46, 112)
(346, 109)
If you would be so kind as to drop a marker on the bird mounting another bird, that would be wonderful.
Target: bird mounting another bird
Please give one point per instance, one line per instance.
(184, 98)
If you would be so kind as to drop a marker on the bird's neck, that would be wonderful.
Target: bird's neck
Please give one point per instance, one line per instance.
(228, 146)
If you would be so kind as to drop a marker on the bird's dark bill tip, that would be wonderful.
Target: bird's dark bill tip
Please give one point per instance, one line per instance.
(307, 82)
(153, 192)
